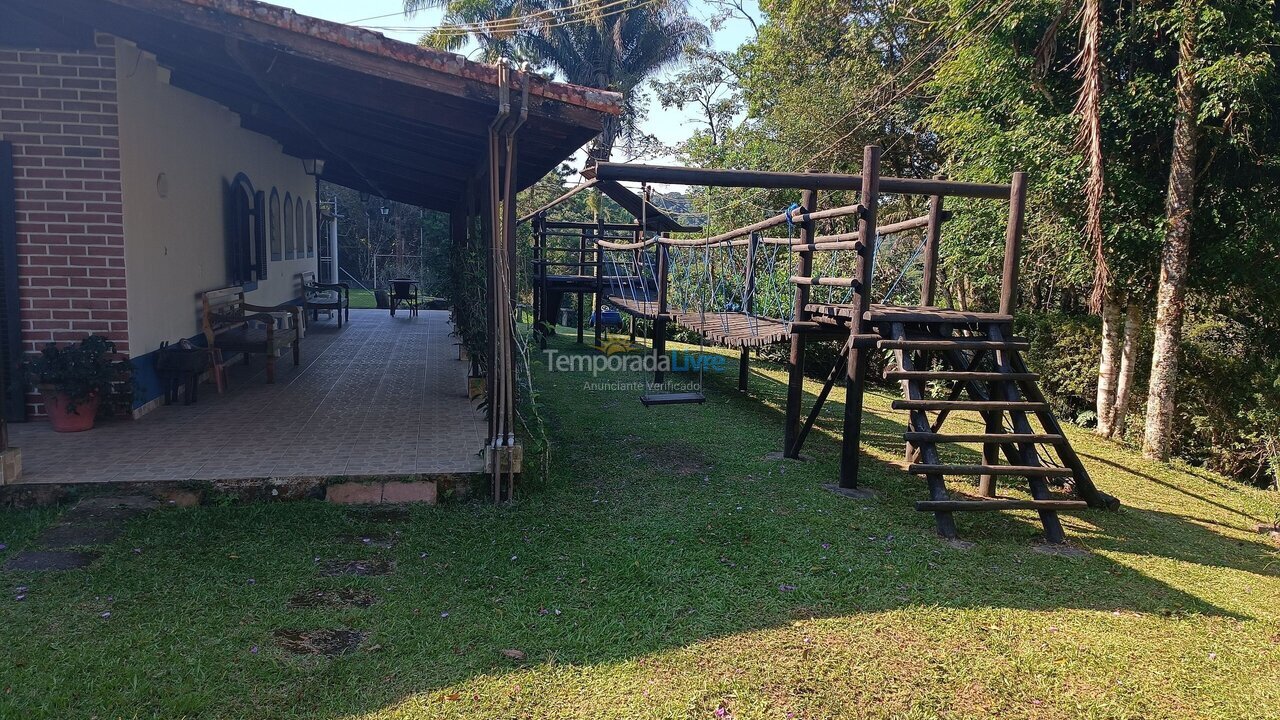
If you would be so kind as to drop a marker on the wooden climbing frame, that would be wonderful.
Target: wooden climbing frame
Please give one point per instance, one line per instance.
(974, 355)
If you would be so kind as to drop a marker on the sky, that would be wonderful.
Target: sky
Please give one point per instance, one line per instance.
(669, 126)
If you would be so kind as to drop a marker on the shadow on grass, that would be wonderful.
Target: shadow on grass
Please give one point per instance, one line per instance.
(660, 528)
(1175, 488)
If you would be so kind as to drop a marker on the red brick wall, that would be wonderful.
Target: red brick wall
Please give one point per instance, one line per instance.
(59, 111)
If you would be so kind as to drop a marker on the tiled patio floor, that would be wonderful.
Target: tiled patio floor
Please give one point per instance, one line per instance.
(382, 396)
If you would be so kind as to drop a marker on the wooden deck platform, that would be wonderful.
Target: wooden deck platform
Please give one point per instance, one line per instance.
(842, 313)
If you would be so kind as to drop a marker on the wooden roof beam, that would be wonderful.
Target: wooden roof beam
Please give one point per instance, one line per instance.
(278, 96)
(627, 172)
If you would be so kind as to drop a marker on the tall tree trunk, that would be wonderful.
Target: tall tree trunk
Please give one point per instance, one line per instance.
(1089, 137)
(602, 147)
(1109, 364)
(962, 292)
(1128, 363)
(1171, 295)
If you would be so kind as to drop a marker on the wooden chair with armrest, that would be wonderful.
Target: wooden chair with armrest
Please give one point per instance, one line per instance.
(330, 297)
(232, 325)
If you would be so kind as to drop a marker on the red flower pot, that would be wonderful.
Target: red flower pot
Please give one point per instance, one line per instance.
(64, 420)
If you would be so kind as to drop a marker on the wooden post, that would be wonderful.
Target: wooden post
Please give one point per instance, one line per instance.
(932, 236)
(748, 307)
(599, 256)
(795, 363)
(485, 237)
(660, 317)
(749, 291)
(636, 236)
(994, 422)
(856, 378)
(582, 270)
(539, 270)
(1013, 242)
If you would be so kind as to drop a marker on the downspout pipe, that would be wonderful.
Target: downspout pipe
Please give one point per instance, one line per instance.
(497, 367)
(333, 249)
(509, 231)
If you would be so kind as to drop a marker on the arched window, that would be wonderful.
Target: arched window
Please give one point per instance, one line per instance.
(246, 246)
(299, 228)
(289, 238)
(274, 223)
(311, 230)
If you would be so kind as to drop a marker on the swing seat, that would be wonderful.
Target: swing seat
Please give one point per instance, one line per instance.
(691, 398)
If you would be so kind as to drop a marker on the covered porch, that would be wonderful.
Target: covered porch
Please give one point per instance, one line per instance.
(351, 107)
(381, 397)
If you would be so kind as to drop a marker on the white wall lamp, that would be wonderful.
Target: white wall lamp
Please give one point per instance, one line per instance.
(313, 166)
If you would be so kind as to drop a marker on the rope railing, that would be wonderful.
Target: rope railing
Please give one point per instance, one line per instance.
(728, 242)
(721, 294)
(742, 236)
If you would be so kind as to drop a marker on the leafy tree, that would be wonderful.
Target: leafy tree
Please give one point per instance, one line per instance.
(707, 83)
(1225, 91)
(977, 89)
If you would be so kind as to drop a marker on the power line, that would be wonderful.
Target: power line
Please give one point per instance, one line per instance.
(588, 7)
(559, 17)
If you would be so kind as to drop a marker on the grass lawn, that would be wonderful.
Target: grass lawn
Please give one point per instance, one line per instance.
(362, 299)
(668, 569)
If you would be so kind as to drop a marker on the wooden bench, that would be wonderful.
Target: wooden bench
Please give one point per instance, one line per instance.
(230, 324)
(330, 297)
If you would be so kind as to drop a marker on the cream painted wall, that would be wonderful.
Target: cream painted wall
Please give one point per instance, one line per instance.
(175, 244)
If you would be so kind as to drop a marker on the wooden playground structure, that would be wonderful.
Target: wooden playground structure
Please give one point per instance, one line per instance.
(637, 268)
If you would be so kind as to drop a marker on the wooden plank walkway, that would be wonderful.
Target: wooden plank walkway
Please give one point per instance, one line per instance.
(735, 330)
(731, 329)
(641, 308)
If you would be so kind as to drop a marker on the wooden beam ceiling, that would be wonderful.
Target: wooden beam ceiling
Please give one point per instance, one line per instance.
(389, 118)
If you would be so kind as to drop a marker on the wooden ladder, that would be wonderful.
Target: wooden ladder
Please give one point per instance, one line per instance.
(986, 374)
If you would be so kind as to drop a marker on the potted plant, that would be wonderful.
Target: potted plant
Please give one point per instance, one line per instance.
(73, 380)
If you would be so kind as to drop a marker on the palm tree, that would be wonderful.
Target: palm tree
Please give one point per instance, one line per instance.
(492, 24)
(599, 43)
(616, 51)
(1089, 137)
